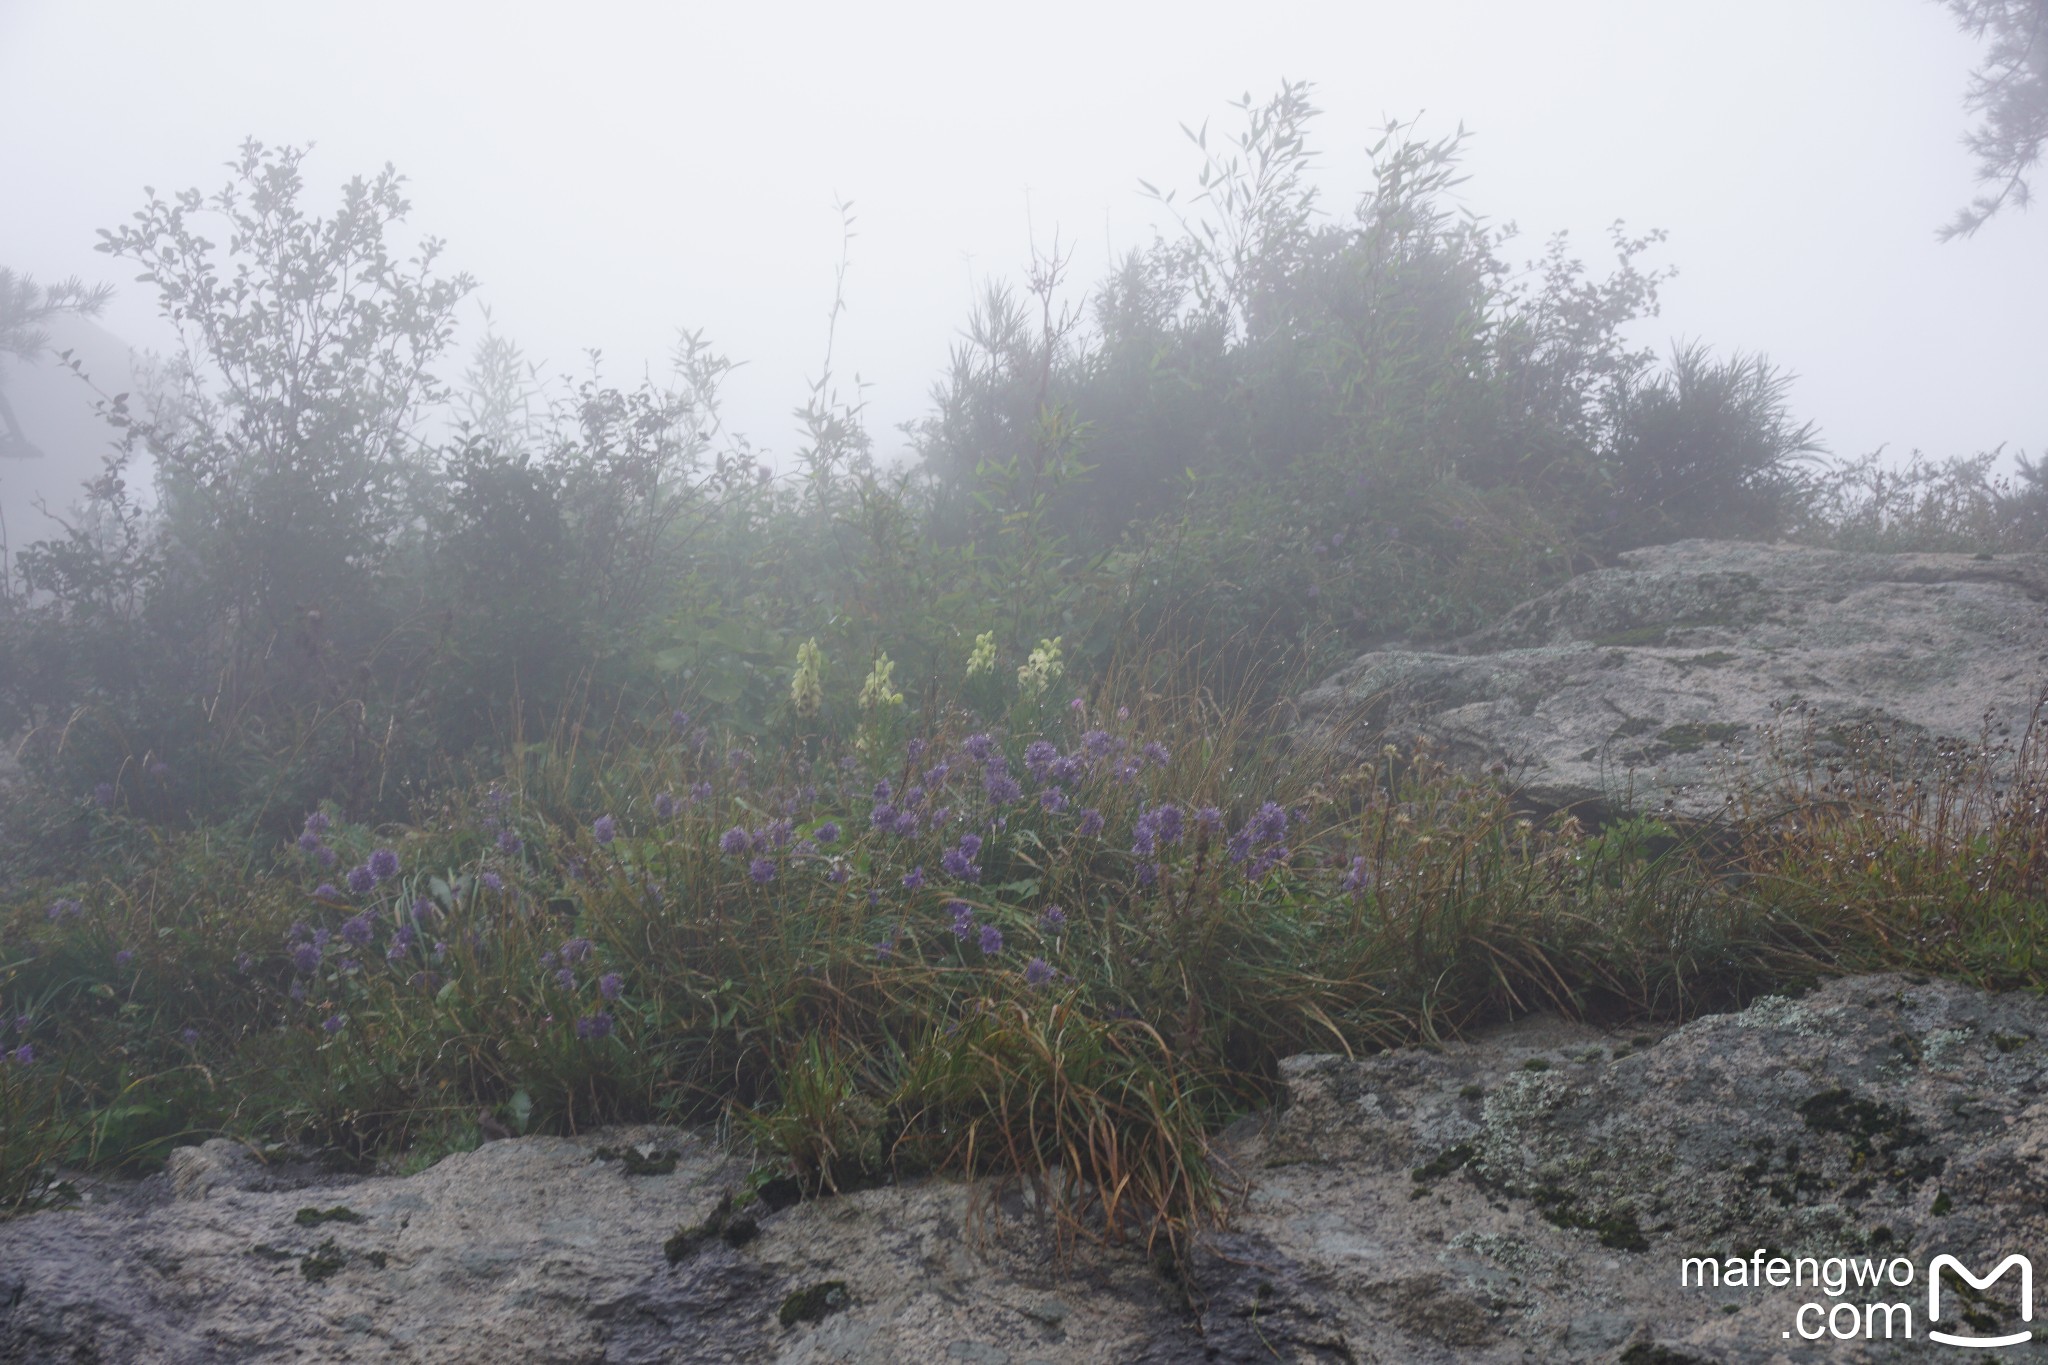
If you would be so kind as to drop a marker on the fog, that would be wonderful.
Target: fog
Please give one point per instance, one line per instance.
(610, 172)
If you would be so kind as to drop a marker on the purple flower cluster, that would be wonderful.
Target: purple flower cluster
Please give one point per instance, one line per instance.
(604, 829)
(592, 1027)
(1037, 973)
(959, 860)
(1360, 878)
(383, 864)
(1163, 824)
(1261, 835)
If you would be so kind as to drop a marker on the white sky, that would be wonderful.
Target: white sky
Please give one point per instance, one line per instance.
(610, 172)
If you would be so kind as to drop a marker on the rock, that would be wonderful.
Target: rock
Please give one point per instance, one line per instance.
(1537, 1191)
(1664, 683)
(538, 1249)
(1534, 1193)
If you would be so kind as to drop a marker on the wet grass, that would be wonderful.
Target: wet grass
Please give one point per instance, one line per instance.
(1064, 951)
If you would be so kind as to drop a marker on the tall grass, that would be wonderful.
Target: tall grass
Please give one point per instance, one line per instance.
(1065, 949)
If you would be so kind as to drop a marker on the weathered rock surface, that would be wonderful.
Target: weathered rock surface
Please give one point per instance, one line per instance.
(1664, 683)
(1529, 1195)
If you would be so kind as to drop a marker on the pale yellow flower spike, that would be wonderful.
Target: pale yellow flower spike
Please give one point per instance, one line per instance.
(877, 692)
(983, 658)
(807, 688)
(1042, 669)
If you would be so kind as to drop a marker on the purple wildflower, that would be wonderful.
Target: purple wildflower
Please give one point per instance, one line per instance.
(1052, 800)
(611, 985)
(316, 822)
(1098, 743)
(991, 940)
(1157, 754)
(244, 962)
(1052, 919)
(914, 878)
(1208, 817)
(1267, 861)
(734, 841)
(384, 864)
(838, 872)
(936, 775)
(1359, 879)
(1091, 823)
(565, 977)
(679, 720)
(963, 919)
(358, 930)
(664, 806)
(906, 824)
(189, 1036)
(884, 948)
(576, 949)
(1000, 787)
(883, 791)
(124, 957)
(491, 881)
(827, 833)
(593, 1027)
(65, 909)
(604, 829)
(360, 880)
(979, 747)
(1037, 972)
(309, 842)
(959, 865)
(762, 870)
(915, 749)
(700, 791)
(508, 842)
(883, 816)
(24, 1055)
(1039, 756)
(334, 1023)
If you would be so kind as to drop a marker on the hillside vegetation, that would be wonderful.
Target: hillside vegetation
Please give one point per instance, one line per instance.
(441, 757)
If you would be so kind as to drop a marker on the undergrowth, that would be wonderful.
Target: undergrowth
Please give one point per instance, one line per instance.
(1067, 947)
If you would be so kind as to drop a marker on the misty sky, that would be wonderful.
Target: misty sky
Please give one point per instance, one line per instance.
(610, 172)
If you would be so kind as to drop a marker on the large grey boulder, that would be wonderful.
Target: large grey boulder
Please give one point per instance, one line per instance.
(1530, 1195)
(1693, 672)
